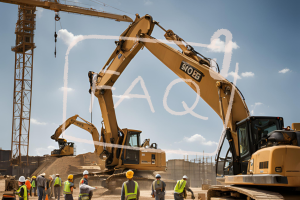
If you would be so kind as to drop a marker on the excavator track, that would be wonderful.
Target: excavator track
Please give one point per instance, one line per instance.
(242, 192)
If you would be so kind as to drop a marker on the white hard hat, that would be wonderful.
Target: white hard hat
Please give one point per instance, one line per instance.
(43, 174)
(85, 172)
(185, 177)
(157, 176)
(22, 179)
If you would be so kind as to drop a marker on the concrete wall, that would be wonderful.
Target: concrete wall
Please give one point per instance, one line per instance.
(6, 169)
(198, 172)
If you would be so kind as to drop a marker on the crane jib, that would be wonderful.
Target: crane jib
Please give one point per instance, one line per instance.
(191, 71)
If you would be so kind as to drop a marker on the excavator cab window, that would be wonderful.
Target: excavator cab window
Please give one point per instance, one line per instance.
(244, 146)
(131, 156)
(261, 127)
(243, 140)
(134, 140)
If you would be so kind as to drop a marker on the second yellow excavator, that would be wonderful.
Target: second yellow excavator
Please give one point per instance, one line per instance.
(142, 158)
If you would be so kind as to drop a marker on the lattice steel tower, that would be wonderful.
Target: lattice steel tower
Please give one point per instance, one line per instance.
(22, 84)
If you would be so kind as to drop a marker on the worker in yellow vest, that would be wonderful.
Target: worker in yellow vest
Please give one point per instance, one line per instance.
(180, 189)
(33, 186)
(22, 191)
(57, 186)
(130, 188)
(68, 188)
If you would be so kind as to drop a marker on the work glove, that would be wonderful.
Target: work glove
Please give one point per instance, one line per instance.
(153, 195)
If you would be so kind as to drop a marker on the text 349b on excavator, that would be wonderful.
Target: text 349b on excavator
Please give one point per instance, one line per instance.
(263, 152)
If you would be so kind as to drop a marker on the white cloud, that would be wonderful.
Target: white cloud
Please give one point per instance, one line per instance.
(218, 45)
(283, 71)
(247, 74)
(257, 104)
(68, 89)
(148, 2)
(39, 12)
(122, 96)
(51, 147)
(233, 74)
(67, 36)
(34, 121)
(199, 138)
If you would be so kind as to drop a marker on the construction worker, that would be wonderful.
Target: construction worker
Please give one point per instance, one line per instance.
(180, 189)
(85, 191)
(158, 188)
(49, 188)
(85, 178)
(28, 185)
(85, 181)
(22, 191)
(57, 186)
(130, 188)
(33, 186)
(68, 188)
(41, 186)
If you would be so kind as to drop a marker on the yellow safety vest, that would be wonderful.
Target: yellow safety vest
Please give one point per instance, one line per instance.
(57, 181)
(179, 187)
(129, 196)
(67, 187)
(25, 192)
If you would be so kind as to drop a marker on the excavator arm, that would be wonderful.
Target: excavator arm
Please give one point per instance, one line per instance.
(189, 65)
(84, 125)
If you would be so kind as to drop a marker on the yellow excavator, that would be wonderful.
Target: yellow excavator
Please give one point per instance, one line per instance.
(263, 153)
(142, 158)
(65, 148)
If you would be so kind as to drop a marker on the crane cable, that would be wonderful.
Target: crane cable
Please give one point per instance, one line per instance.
(56, 18)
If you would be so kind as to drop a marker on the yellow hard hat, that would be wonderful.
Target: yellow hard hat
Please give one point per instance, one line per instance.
(33, 176)
(129, 174)
(70, 177)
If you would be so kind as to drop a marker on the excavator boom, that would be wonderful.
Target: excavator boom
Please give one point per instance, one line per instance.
(215, 90)
(56, 6)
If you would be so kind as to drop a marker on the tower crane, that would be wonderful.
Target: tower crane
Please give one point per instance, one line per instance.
(23, 49)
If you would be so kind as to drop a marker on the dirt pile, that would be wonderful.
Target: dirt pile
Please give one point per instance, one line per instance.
(72, 165)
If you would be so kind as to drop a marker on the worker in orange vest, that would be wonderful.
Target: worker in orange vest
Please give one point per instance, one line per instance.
(28, 185)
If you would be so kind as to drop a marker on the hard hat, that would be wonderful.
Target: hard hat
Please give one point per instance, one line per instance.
(28, 178)
(43, 174)
(22, 179)
(129, 174)
(57, 174)
(185, 177)
(85, 172)
(157, 176)
(33, 176)
(70, 177)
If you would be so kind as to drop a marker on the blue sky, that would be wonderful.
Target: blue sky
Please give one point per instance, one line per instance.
(265, 36)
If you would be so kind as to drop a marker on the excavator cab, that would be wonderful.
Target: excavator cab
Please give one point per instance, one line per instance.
(252, 136)
(65, 148)
(252, 133)
(131, 155)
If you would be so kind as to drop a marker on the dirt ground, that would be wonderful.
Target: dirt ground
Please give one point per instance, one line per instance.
(102, 194)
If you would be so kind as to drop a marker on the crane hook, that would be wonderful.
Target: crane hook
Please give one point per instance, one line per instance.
(57, 18)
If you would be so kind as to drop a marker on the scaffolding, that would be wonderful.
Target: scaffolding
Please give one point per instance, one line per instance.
(22, 84)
